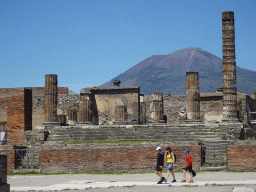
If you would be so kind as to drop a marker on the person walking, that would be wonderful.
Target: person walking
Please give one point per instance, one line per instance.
(159, 164)
(188, 167)
(170, 163)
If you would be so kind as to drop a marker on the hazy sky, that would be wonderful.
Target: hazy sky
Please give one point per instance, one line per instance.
(89, 42)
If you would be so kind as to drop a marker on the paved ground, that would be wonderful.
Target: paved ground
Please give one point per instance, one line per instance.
(206, 181)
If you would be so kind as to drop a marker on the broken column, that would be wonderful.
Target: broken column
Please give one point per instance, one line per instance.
(121, 114)
(85, 113)
(156, 109)
(142, 110)
(192, 96)
(229, 67)
(50, 100)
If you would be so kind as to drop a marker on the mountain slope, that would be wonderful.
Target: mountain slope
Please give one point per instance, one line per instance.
(167, 73)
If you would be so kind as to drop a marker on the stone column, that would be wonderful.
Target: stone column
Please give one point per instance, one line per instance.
(192, 96)
(4, 186)
(50, 100)
(121, 114)
(156, 109)
(72, 116)
(229, 67)
(86, 106)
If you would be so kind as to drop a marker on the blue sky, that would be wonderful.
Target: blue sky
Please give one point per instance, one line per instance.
(88, 42)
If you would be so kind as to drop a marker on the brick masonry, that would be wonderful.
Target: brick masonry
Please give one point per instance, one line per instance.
(10, 152)
(126, 157)
(242, 157)
(13, 102)
(4, 187)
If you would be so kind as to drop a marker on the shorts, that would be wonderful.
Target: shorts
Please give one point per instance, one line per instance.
(170, 166)
(188, 168)
(158, 168)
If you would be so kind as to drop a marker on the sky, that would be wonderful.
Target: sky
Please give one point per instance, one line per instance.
(89, 42)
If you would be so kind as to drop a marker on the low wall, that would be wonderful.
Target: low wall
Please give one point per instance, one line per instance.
(242, 156)
(112, 157)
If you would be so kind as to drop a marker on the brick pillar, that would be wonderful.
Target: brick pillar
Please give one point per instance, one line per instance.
(85, 114)
(192, 96)
(156, 109)
(50, 100)
(229, 67)
(121, 114)
(4, 186)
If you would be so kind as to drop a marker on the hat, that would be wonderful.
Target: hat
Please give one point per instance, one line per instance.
(186, 150)
(158, 148)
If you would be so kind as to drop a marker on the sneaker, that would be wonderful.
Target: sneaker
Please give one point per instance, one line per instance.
(165, 180)
(174, 181)
(190, 181)
(183, 181)
(159, 182)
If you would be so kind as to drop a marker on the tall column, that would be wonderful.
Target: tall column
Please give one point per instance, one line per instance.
(192, 96)
(143, 119)
(86, 106)
(4, 186)
(50, 100)
(156, 109)
(229, 67)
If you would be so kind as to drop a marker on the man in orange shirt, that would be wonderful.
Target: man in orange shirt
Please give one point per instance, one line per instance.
(188, 167)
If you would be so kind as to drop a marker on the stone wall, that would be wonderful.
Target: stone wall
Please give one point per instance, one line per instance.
(242, 156)
(4, 187)
(14, 105)
(112, 157)
(107, 98)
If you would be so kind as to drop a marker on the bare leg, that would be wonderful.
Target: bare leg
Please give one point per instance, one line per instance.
(173, 176)
(168, 173)
(159, 173)
(191, 176)
(184, 175)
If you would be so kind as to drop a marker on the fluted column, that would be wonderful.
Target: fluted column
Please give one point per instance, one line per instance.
(156, 108)
(85, 108)
(50, 99)
(192, 96)
(229, 67)
(121, 114)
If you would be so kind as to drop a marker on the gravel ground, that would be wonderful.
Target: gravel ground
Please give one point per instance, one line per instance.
(19, 181)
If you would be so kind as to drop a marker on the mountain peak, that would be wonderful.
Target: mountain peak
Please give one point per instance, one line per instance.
(167, 73)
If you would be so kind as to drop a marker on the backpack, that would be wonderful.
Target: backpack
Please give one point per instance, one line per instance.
(174, 158)
(193, 173)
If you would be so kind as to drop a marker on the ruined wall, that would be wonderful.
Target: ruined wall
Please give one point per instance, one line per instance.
(10, 152)
(14, 103)
(114, 157)
(242, 156)
(108, 98)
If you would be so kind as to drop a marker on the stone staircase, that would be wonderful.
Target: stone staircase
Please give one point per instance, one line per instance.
(214, 154)
(140, 132)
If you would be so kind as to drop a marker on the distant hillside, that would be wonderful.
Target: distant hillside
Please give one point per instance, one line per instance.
(167, 73)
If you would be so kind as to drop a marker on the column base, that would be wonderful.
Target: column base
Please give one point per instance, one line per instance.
(84, 123)
(5, 187)
(120, 123)
(51, 124)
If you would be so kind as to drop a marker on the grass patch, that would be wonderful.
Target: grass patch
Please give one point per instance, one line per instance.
(190, 185)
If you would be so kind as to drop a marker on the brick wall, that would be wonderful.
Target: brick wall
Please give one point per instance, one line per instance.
(242, 157)
(115, 158)
(13, 101)
(10, 158)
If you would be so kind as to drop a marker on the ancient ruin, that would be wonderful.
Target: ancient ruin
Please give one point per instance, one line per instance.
(39, 119)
